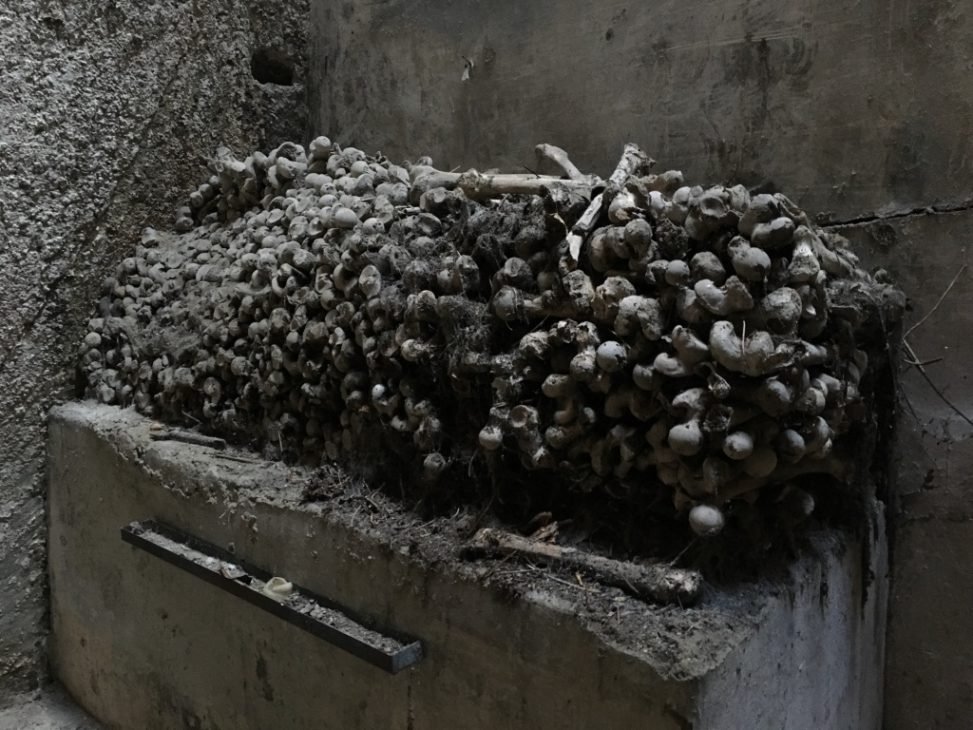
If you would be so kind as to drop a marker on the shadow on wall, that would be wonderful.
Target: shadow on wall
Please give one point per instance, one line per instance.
(279, 96)
(270, 66)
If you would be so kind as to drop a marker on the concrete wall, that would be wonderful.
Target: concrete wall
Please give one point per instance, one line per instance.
(930, 667)
(106, 109)
(852, 109)
(861, 112)
(143, 645)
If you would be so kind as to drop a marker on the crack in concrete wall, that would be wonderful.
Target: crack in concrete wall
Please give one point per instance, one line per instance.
(923, 210)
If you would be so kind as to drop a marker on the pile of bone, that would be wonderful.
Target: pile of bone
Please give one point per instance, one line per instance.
(632, 331)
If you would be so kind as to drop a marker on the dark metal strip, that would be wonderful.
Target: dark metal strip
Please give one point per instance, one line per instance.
(205, 560)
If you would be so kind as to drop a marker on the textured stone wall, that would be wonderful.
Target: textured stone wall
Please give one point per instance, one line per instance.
(859, 112)
(107, 108)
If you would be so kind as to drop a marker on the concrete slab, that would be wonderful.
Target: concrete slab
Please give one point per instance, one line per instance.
(144, 645)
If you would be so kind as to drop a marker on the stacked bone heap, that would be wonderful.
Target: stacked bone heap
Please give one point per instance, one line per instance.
(629, 336)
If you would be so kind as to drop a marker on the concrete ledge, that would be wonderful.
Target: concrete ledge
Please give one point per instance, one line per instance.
(143, 645)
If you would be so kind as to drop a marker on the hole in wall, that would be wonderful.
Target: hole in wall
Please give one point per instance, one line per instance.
(270, 66)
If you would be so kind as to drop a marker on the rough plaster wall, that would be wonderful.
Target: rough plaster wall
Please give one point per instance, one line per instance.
(861, 112)
(106, 108)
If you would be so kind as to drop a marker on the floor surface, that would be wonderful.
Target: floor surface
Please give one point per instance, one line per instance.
(47, 709)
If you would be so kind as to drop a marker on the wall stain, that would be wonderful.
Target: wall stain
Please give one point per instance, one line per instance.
(798, 63)
(266, 689)
(904, 163)
(884, 236)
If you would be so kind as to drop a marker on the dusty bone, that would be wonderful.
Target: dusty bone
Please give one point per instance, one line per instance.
(586, 223)
(738, 445)
(311, 233)
(632, 162)
(188, 437)
(749, 262)
(687, 438)
(480, 186)
(724, 300)
(623, 208)
(658, 583)
(829, 466)
(560, 158)
(750, 356)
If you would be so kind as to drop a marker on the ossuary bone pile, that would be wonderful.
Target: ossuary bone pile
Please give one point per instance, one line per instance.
(329, 304)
